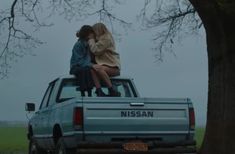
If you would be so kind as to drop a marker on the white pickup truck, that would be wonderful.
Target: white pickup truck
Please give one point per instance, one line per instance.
(67, 123)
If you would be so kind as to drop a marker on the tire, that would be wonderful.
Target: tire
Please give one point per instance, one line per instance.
(61, 148)
(34, 149)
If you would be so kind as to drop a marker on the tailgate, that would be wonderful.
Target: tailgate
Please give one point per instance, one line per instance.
(135, 116)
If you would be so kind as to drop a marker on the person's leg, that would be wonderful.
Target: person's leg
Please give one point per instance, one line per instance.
(96, 80)
(78, 73)
(111, 71)
(105, 72)
(102, 74)
(83, 93)
(89, 91)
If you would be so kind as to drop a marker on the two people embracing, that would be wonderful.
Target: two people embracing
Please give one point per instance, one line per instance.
(94, 60)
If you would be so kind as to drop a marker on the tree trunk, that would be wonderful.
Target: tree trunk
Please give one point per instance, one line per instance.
(218, 19)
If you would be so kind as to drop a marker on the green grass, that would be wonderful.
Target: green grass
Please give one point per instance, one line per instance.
(13, 139)
(199, 136)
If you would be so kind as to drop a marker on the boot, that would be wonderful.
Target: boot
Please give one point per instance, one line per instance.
(89, 92)
(83, 93)
(100, 93)
(114, 93)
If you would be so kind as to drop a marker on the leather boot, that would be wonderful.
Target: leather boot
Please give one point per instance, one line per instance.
(100, 93)
(114, 93)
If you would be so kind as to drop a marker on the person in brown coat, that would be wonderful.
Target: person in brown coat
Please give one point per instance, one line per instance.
(107, 59)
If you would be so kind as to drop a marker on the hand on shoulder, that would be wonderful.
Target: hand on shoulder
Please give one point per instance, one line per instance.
(91, 36)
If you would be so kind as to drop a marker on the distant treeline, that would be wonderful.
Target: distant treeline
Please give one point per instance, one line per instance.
(13, 123)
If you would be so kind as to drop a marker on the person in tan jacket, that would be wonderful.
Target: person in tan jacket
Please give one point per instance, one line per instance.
(107, 59)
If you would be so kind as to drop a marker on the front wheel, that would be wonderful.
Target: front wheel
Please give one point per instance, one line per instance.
(34, 149)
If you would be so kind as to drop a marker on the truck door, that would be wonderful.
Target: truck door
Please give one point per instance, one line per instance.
(43, 116)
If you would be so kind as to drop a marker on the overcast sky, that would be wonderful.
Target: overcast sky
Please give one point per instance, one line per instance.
(182, 76)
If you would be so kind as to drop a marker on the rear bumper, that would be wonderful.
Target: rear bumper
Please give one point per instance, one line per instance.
(186, 147)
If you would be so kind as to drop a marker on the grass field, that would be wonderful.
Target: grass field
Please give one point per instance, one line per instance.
(13, 139)
(199, 136)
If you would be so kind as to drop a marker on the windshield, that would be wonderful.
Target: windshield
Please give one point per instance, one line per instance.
(70, 89)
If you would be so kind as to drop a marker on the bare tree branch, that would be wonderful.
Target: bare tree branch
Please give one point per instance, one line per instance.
(105, 14)
(170, 17)
(170, 20)
(17, 41)
(10, 20)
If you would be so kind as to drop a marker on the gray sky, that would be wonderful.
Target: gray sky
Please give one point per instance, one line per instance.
(182, 76)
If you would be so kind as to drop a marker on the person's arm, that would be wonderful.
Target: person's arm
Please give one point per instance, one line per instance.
(77, 54)
(77, 57)
(99, 47)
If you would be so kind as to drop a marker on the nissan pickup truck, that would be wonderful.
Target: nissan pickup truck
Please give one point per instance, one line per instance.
(67, 123)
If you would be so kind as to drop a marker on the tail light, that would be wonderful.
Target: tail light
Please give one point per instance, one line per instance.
(78, 117)
(191, 119)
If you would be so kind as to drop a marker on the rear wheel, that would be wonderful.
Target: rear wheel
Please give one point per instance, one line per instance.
(34, 149)
(61, 148)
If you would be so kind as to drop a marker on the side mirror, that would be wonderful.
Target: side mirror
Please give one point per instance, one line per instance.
(29, 107)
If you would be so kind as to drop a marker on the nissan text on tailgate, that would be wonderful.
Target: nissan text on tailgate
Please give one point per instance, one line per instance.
(67, 123)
